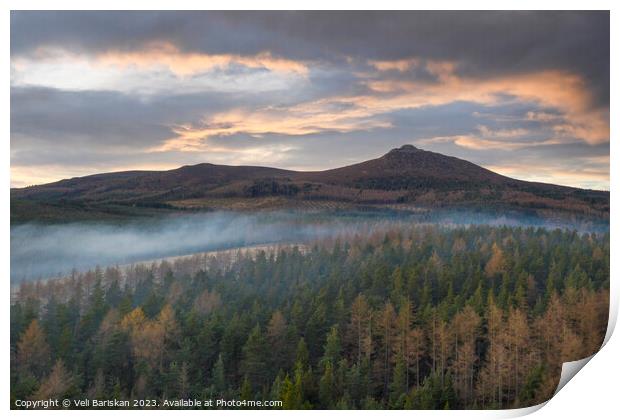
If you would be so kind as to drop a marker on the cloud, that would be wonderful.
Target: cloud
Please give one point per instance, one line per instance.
(480, 143)
(505, 133)
(185, 64)
(593, 178)
(555, 89)
(158, 69)
(487, 43)
(398, 65)
(299, 120)
(99, 91)
(542, 116)
(563, 91)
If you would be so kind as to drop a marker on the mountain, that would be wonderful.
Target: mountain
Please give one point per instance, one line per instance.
(406, 178)
(405, 167)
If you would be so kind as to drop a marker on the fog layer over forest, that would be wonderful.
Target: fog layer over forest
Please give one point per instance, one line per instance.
(41, 251)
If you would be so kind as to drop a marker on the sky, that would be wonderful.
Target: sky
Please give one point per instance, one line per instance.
(525, 94)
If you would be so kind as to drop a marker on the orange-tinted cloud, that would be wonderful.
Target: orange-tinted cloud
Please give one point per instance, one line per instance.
(158, 55)
(573, 115)
(561, 90)
(399, 65)
(300, 120)
(475, 142)
(185, 63)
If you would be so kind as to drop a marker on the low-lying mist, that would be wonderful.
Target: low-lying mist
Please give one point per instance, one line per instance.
(42, 251)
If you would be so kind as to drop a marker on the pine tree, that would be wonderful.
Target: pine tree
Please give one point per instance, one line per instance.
(183, 382)
(496, 263)
(332, 347)
(327, 388)
(387, 325)
(398, 386)
(465, 326)
(278, 338)
(254, 363)
(218, 377)
(359, 328)
(246, 390)
(302, 357)
(57, 385)
(33, 352)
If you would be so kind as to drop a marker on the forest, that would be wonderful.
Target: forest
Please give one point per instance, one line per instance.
(423, 317)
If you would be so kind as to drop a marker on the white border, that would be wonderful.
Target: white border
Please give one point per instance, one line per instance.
(592, 394)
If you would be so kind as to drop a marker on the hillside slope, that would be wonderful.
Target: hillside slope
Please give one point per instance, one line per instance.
(404, 178)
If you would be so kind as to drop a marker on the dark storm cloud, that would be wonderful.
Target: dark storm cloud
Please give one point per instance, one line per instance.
(484, 43)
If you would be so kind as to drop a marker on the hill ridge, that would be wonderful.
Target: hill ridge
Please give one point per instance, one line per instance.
(403, 177)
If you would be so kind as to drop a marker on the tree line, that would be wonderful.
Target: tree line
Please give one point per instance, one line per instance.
(427, 317)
